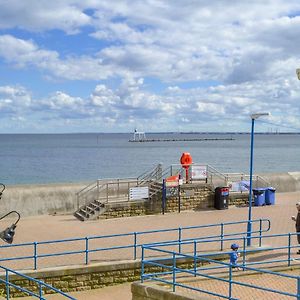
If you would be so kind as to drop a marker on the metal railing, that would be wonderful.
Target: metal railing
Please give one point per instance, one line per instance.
(37, 285)
(113, 190)
(106, 190)
(216, 177)
(85, 246)
(155, 174)
(168, 260)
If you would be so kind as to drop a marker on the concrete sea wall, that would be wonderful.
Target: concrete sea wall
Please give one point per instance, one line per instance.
(41, 199)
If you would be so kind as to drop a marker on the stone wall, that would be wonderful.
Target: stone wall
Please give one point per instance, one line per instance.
(238, 199)
(125, 209)
(192, 197)
(82, 278)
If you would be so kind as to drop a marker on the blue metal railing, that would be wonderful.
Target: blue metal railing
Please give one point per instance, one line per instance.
(40, 286)
(170, 276)
(196, 250)
(136, 239)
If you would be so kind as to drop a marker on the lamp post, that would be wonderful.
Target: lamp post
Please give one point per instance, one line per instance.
(249, 224)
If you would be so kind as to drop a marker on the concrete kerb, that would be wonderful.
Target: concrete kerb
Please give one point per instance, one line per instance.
(150, 291)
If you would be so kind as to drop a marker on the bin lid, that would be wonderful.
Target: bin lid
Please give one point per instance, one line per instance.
(261, 189)
(222, 188)
(270, 188)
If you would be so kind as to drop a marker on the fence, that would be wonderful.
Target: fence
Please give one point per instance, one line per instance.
(173, 275)
(82, 249)
(35, 284)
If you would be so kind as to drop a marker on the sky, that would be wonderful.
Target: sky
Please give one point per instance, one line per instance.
(156, 65)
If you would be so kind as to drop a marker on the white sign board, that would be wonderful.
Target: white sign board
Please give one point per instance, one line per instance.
(234, 186)
(198, 172)
(239, 186)
(138, 193)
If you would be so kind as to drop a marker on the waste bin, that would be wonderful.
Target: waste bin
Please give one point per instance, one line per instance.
(259, 196)
(221, 197)
(270, 195)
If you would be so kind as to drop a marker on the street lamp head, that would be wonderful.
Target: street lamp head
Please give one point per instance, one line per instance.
(7, 235)
(298, 73)
(257, 115)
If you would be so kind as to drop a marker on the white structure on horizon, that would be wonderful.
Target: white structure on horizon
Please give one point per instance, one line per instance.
(139, 135)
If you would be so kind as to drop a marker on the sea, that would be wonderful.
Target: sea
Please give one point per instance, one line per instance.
(85, 157)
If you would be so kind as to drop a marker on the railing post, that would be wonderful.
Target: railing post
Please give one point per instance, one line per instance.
(179, 239)
(40, 291)
(35, 255)
(244, 251)
(174, 272)
(77, 200)
(260, 230)
(222, 236)
(230, 282)
(7, 285)
(143, 265)
(135, 238)
(289, 249)
(86, 250)
(106, 192)
(128, 187)
(195, 258)
(298, 288)
(118, 192)
(98, 189)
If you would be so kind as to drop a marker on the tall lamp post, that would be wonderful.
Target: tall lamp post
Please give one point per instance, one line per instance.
(249, 224)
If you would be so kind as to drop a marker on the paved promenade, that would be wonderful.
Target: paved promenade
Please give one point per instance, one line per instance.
(43, 228)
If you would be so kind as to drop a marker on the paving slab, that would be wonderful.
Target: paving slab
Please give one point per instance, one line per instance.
(42, 228)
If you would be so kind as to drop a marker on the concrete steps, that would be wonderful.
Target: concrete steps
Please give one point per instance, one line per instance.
(90, 211)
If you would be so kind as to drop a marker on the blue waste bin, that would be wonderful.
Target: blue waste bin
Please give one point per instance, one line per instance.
(270, 195)
(259, 196)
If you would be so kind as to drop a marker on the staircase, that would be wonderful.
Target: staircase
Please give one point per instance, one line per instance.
(90, 211)
(92, 200)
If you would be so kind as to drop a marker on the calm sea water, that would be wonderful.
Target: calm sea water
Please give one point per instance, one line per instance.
(52, 158)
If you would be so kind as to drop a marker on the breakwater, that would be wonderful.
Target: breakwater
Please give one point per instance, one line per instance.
(180, 140)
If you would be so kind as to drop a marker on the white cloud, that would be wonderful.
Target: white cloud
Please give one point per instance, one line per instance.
(240, 56)
(14, 99)
(39, 15)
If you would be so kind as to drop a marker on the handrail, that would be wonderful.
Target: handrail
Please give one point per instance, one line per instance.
(137, 238)
(157, 174)
(100, 185)
(173, 270)
(144, 176)
(41, 285)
